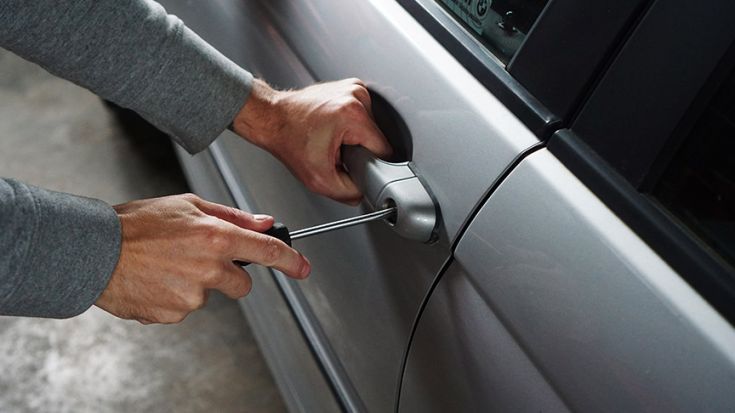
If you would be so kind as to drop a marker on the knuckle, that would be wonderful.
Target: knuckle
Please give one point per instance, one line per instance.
(190, 300)
(353, 106)
(246, 287)
(271, 251)
(196, 301)
(204, 225)
(218, 242)
(311, 178)
(315, 183)
(318, 184)
(190, 197)
(360, 91)
(232, 213)
(347, 106)
(213, 276)
(216, 238)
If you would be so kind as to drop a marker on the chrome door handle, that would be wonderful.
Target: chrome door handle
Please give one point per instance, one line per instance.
(385, 184)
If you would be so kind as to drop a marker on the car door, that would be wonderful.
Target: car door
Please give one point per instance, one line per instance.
(443, 95)
(599, 274)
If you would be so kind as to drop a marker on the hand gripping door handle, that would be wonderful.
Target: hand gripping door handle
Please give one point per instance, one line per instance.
(385, 184)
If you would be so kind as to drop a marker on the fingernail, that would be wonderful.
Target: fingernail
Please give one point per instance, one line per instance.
(261, 217)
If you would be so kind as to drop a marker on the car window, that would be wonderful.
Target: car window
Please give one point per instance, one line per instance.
(501, 25)
(654, 140)
(699, 184)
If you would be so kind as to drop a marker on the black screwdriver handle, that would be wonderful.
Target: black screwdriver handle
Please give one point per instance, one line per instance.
(278, 230)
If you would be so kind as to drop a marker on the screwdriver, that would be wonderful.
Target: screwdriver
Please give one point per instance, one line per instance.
(280, 231)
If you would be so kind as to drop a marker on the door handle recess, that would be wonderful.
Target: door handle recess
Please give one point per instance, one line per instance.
(385, 184)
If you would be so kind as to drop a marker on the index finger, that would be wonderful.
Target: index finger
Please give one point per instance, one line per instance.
(258, 248)
(366, 133)
(235, 216)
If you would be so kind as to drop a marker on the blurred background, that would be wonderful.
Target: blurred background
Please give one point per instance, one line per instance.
(58, 136)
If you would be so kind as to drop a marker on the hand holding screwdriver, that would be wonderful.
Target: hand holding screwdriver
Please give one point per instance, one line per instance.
(176, 249)
(281, 232)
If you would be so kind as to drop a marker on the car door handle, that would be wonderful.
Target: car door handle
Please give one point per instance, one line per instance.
(386, 184)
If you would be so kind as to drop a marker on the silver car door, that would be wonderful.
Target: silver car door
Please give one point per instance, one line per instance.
(553, 303)
(359, 305)
(599, 275)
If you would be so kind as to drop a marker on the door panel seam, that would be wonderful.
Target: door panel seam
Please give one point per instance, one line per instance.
(424, 303)
(499, 180)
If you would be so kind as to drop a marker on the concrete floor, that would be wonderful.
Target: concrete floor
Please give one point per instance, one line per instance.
(59, 136)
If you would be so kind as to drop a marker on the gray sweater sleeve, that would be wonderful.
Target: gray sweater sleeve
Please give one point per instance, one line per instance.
(57, 251)
(134, 54)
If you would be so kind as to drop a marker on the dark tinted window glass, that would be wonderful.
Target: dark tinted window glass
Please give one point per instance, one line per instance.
(500, 24)
(699, 185)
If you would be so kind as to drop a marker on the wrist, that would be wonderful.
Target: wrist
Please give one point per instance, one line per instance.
(261, 117)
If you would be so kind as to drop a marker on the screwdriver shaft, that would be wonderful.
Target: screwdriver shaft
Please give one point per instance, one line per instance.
(331, 226)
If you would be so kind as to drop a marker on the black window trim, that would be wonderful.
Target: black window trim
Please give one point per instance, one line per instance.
(487, 69)
(677, 39)
(542, 109)
(691, 257)
(573, 42)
